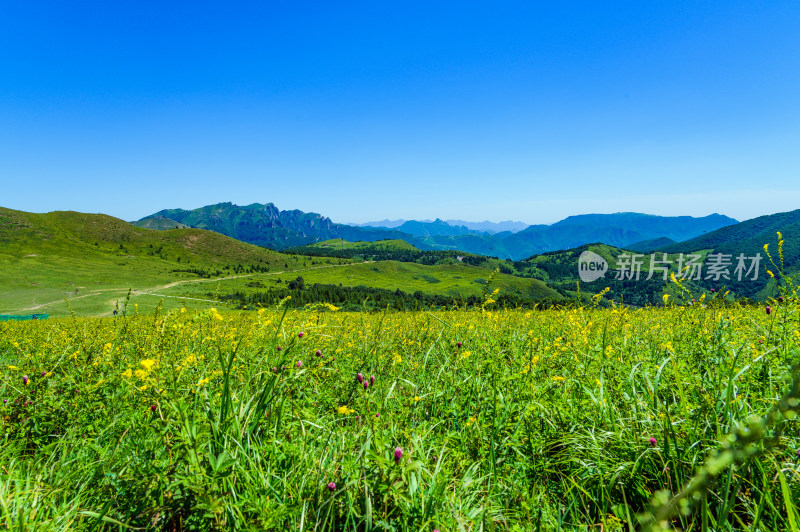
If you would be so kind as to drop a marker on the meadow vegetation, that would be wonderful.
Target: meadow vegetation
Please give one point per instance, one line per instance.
(317, 419)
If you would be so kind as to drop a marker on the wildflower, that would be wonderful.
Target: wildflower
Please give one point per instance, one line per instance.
(278, 348)
(769, 310)
(398, 454)
(780, 299)
(331, 486)
(43, 374)
(274, 369)
(366, 385)
(798, 450)
(377, 415)
(25, 380)
(371, 380)
(360, 378)
(344, 410)
(6, 401)
(300, 334)
(153, 408)
(147, 364)
(459, 344)
(318, 353)
(299, 363)
(127, 373)
(653, 442)
(712, 290)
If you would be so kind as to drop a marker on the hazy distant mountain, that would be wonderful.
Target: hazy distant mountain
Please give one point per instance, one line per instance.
(266, 225)
(434, 228)
(383, 224)
(491, 227)
(481, 227)
(619, 229)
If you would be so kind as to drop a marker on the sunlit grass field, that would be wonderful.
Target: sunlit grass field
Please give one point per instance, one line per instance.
(580, 419)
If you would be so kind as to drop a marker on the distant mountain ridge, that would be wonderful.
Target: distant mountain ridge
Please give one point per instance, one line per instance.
(266, 225)
(483, 227)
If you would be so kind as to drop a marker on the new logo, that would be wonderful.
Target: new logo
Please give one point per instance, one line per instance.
(591, 266)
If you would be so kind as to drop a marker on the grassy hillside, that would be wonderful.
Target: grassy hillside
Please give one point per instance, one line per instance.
(749, 238)
(451, 282)
(340, 244)
(45, 257)
(159, 223)
(92, 260)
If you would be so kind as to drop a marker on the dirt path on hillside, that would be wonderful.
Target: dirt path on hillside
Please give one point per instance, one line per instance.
(151, 291)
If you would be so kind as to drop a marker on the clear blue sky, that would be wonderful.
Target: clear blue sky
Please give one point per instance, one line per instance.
(530, 111)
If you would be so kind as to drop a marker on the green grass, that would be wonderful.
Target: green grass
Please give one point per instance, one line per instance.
(340, 244)
(44, 258)
(455, 280)
(506, 420)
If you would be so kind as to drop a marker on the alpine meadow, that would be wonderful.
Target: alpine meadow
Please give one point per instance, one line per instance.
(400, 266)
(682, 416)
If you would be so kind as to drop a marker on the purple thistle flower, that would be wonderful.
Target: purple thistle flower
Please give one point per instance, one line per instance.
(43, 374)
(360, 378)
(278, 348)
(299, 363)
(398, 454)
(371, 380)
(331, 486)
(153, 408)
(712, 290)
(653, 442)
(377, 415)
(300, 334)
(5, 401)
(459, 344)
(769, 310)
(780, 299)
(366, 385)
(274, 369)
(25, 380)
(318, 353)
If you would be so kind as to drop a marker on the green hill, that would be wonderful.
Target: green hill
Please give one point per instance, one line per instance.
(45, 257)
(93, 259)
(159, 223)
(748, 238)
(379, 245)
(386, 282)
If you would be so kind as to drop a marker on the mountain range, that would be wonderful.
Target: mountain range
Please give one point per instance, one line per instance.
(483, 227)
(266, 225)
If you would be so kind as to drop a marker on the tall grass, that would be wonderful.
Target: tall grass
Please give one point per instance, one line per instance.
(556, 420)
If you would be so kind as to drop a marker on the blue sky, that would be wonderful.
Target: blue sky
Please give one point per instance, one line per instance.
(529, 111)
